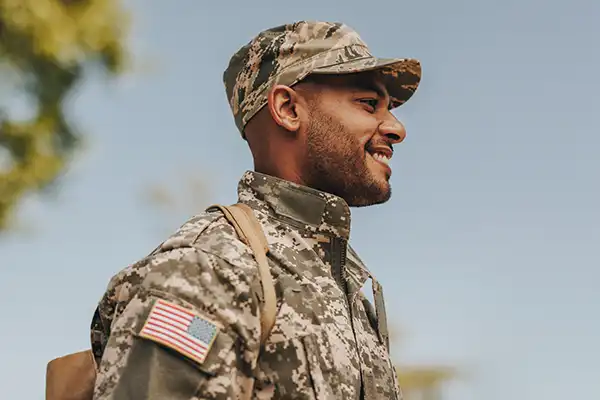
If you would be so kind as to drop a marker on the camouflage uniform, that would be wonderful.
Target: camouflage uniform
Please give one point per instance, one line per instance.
(328, 341)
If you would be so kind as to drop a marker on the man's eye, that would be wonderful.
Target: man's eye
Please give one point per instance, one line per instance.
(370, 102)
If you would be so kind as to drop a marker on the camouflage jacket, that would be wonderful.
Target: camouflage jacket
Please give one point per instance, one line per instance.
(328, 341)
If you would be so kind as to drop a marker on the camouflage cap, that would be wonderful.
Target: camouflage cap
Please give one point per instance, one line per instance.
(288, 53)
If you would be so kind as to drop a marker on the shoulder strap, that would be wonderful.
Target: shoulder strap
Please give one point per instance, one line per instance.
(250, 232)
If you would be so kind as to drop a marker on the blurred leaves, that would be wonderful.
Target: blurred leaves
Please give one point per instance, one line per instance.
(47, 48)
(420, 382)
(424, 383)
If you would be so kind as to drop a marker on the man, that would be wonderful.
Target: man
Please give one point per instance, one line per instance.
(314, 106)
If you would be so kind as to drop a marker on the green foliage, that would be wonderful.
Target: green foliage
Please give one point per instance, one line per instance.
(421, 382)
(47, 48)
(424, 382)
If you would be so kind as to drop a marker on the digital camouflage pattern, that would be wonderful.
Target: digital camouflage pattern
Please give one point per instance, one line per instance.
(288, 53)
(328, 341)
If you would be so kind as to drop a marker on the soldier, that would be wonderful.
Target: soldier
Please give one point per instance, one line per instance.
(314, 106)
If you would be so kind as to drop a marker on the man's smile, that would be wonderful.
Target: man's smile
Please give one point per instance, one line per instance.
(382, 155)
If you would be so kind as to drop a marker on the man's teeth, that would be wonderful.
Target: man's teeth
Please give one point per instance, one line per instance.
(382, 158)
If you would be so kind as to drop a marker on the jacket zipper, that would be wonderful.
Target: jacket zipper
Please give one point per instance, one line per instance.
(339, 248)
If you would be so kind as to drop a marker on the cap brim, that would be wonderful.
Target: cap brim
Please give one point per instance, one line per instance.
(401, 76)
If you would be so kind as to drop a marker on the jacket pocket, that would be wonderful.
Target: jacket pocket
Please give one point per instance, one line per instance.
(298, 367)
(320, 364)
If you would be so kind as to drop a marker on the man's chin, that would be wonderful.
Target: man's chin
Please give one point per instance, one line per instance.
(376, 193)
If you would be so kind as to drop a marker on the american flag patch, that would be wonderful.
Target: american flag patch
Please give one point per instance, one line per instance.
(180, 329)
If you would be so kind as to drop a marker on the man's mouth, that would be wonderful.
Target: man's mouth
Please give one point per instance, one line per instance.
(381, 158)
(381, 154)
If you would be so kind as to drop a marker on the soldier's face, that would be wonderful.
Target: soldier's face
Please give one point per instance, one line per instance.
(350, 132)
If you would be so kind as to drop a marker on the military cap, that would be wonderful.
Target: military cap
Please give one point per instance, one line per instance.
(286, 54)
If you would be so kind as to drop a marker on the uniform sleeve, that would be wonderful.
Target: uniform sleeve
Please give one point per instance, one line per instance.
(192, 331)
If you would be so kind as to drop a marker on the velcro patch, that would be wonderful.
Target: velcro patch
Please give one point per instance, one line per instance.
(180, 329)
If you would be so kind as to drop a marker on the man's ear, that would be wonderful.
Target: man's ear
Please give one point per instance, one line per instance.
(283, 104)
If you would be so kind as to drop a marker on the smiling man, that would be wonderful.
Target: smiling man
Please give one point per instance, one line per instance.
(330, 133)
(315, 107)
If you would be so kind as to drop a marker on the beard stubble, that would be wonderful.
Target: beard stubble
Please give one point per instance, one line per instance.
(336, 163)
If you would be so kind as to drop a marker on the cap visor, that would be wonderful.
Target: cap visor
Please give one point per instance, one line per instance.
(401, 76)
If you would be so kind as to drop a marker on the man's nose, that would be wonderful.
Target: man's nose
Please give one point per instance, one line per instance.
(393, 130)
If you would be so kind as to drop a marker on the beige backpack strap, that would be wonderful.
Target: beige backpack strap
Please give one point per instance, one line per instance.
(250, 232)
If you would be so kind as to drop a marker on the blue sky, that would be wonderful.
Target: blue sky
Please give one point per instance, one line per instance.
(486, 250)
